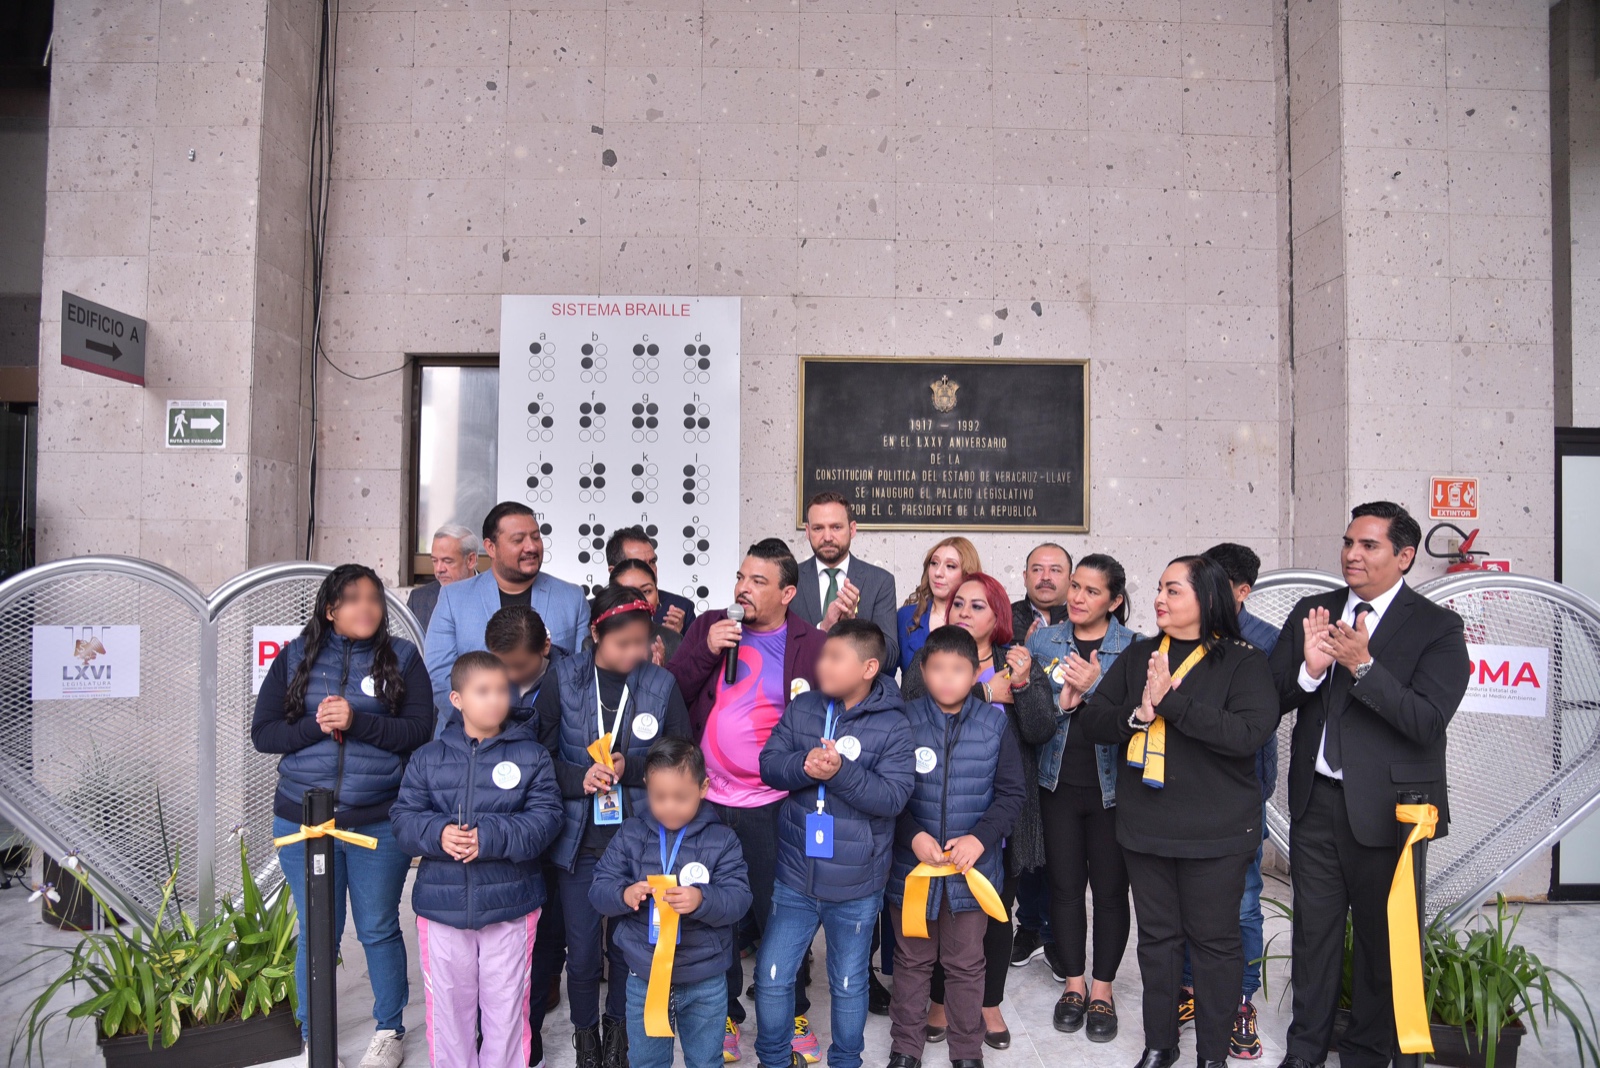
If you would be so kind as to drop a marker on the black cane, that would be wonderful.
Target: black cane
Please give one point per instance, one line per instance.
(1419, 871)
(321, 953)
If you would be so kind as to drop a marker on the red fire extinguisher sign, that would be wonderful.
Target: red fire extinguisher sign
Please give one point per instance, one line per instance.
(1453, 498)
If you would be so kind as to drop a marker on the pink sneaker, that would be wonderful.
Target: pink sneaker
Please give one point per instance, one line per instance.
(804, 1042)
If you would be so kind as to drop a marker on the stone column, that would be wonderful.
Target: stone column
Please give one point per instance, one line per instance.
(1420, 163)
(176, 193)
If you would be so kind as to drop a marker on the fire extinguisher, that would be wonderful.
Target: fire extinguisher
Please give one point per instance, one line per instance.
(1465, 557)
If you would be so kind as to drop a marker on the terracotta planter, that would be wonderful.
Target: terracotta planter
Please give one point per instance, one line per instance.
(234, 1044)
(1452, 1049)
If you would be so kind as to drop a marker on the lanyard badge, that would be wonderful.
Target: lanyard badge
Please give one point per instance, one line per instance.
(667, 861)
(819, 824)
(608, 803)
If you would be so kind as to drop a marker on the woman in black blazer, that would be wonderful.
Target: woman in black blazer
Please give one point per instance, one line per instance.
(1188, 709)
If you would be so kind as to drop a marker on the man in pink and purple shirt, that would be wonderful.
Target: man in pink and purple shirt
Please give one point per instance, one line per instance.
(777, 653)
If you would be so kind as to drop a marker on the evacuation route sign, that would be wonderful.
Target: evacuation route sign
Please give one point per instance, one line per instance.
(101, 340)
(197, 424)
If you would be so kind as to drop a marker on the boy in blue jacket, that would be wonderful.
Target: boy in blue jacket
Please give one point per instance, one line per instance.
(967, 796)
(678, 835)
(479, 806)
(844, 754)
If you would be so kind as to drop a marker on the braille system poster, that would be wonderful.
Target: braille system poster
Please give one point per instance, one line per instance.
(617, 411)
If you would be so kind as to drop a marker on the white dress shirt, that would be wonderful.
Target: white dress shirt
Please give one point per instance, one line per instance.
(822, 579)
(1380, 604)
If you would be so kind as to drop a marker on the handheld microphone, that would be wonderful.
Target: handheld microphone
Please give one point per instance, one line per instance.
(730, 659)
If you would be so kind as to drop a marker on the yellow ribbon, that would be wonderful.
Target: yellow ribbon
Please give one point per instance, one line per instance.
(658, 993)
(1147, 749)
(914, 913)
(326, 830)
(600, 752)
(1405, 940)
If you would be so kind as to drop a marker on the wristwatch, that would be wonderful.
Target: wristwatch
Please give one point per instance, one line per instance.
(1362, 669)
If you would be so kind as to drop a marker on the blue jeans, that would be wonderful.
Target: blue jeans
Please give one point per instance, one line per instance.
(588, 941)
(698, 1010)
(791, 926)
(373, 879)
(1033, 903)
(1249, 932)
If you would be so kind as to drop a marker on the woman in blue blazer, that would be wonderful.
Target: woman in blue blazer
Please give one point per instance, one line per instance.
(928, 607)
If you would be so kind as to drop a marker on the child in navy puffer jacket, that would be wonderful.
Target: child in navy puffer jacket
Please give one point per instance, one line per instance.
(479, 805)
(679, 835)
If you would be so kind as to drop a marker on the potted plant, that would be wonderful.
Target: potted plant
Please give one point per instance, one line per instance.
(174, 993)
(1478, 983)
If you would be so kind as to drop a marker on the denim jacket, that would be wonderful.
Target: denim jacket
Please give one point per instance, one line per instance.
(1054, 643)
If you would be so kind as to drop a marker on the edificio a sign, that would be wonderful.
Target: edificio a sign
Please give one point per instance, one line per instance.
(948, 444)
(102, 340)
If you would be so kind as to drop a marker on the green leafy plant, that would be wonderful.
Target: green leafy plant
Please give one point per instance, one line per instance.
(1480, 980)
(170, 973)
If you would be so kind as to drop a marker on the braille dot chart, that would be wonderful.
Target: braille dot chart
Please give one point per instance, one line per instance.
(617, 411)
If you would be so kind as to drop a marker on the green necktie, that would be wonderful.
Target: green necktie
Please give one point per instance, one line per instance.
(833, 588)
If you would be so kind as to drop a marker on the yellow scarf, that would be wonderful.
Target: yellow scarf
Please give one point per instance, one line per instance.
(914, 913)
(1147, 749)
(1405, 945)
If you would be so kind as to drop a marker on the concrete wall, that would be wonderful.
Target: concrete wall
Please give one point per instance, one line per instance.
(1575, 159)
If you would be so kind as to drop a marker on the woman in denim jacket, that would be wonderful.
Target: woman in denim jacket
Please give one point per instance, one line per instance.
(1077, 800)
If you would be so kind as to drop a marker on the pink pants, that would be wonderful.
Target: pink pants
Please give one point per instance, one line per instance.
(478, 980)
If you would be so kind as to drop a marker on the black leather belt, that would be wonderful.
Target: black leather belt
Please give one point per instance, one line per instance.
(1328, 780)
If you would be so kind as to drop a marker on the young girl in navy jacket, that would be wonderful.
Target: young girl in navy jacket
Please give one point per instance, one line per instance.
(612, 689)
(479, 805)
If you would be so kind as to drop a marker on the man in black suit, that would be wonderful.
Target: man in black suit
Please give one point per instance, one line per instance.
(1375, 672)
(835, 585)
(1045, 576)
(633, 543)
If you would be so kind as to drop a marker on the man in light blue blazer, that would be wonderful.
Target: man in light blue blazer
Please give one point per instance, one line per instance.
(835, 585)
(515, 547)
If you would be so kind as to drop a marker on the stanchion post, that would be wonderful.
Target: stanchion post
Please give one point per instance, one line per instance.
(1419, 871)
(322, 954)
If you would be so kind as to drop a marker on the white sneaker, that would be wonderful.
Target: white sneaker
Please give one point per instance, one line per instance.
(305, 1052)
(386, 1051)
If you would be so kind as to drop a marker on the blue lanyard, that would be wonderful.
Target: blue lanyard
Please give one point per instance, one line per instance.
(827, 732)
(667, 861)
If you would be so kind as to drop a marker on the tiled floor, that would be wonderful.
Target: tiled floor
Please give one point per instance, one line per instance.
(1564, 935)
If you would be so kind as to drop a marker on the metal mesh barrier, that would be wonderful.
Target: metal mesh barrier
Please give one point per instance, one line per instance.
(135, 785)
(1272, 598)
(1517, 783)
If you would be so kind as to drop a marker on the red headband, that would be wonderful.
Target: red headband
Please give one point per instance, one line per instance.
(631, 606)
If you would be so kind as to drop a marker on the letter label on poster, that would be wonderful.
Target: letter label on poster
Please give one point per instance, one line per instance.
(1507, 680)
(85, 661)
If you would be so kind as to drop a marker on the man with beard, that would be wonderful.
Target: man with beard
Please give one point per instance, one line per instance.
(1044, 576)
(512, 538)
(776, 660)
(835, 585)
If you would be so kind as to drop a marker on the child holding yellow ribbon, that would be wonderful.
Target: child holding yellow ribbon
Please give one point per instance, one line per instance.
(674, 880)
(947, 857)
(479, 806)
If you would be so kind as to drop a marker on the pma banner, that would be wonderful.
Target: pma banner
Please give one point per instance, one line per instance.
(1508, 680)
(85, 661)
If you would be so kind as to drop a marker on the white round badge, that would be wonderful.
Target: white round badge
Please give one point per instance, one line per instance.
(369, 686)
(798, 687)
(926, 760)
(695, 874)
(849, 747)
(645, 726)
(1059, 675)
(507, 775)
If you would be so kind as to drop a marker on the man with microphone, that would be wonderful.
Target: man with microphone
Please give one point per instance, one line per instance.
(738, 669)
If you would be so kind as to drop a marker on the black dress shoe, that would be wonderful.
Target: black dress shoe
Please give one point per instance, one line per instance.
(1204, 1062)
(877, 995)
(1069, 1012)
(967, 1062)
(1100, 1022)
(997, 1039)
(1158, 1058)
(900, 1060)
(1291, 1061)
(935, 1034)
